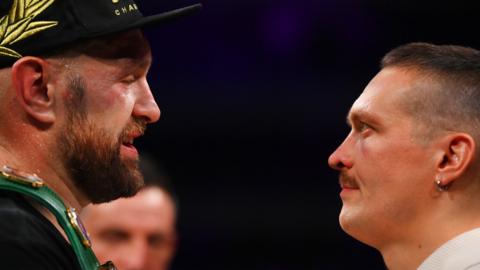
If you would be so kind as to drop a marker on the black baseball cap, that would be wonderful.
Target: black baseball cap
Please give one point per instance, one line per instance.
(33, 27)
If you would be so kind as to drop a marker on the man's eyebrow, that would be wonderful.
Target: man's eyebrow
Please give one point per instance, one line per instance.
(361, 115)
(137, 64)
(351, 117)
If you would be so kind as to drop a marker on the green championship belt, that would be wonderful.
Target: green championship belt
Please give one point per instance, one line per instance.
(34, 187)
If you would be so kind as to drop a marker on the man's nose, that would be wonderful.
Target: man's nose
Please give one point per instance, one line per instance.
(145, 106)
(341, 158)
(137, 257)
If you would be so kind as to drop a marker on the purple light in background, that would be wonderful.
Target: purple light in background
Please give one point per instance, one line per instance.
(287, 26)
(283, 28)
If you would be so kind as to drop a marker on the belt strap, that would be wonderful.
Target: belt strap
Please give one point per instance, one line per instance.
(34, 187)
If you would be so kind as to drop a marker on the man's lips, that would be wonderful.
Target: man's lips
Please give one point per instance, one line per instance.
(129, 149)
(128, 142)
(135, 129)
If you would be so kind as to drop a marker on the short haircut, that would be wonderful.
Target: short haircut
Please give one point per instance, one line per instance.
(447, 97)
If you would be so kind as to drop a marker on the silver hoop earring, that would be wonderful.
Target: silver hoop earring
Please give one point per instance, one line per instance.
(438, 182)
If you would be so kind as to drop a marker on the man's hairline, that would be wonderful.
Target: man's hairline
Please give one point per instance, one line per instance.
(424, 76)
(421, 77)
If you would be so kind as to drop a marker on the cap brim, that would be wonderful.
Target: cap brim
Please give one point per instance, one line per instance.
(147, 21)
(167, 16)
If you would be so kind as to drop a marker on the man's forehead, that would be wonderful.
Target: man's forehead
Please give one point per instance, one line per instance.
(385, 92)
(363, 104)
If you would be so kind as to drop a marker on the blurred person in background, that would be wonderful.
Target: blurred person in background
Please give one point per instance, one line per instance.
(136, 233)
(410, 167)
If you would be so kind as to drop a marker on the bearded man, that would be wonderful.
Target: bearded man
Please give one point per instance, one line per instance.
(73, 98)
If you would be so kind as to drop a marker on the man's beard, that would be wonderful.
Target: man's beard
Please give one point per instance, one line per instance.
(91, 155)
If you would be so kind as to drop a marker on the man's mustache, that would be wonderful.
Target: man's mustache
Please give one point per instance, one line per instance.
(346, 180)
(137, 126)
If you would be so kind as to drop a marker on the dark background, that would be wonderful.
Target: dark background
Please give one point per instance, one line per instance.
(254, 95)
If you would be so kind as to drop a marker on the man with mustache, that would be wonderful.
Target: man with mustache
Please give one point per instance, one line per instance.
(410, 167)
(73, 98)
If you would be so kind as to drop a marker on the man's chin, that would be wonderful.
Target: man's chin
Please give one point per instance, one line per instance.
(124, 183)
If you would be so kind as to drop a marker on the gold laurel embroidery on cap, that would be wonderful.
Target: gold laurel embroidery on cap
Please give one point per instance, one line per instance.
(18, 24)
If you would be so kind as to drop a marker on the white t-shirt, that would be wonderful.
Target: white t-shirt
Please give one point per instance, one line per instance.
(460, 253)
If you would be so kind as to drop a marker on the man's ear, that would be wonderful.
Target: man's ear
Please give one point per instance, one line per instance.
(30, 78)
(458, 152)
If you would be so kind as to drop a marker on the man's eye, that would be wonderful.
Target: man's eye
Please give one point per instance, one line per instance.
(363, 127)
(114, 236)
(129, 79)
(157, 240)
